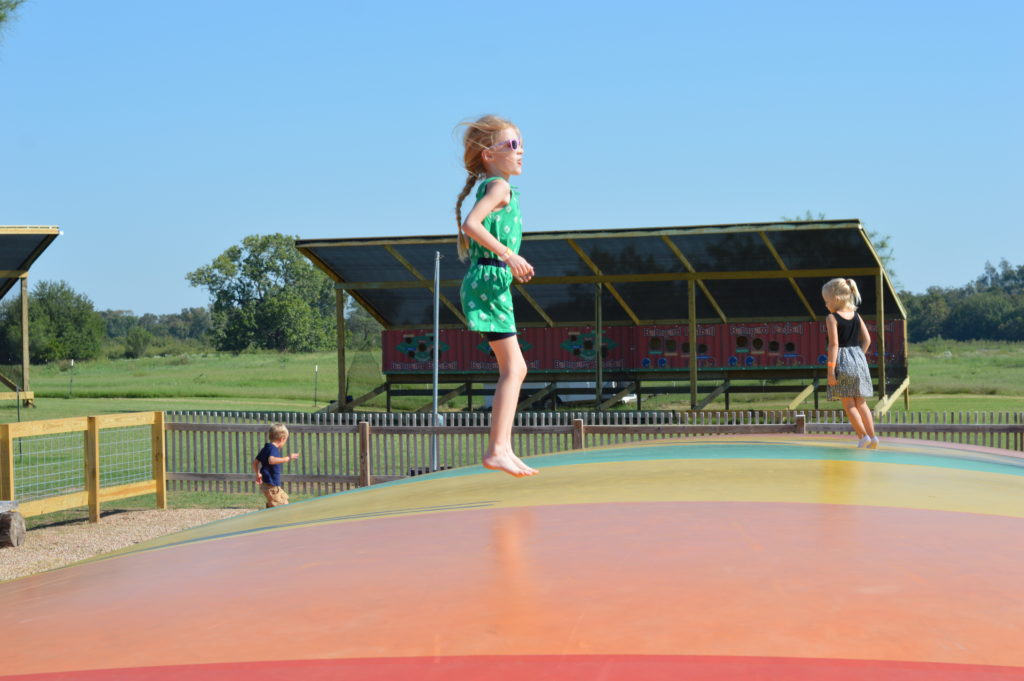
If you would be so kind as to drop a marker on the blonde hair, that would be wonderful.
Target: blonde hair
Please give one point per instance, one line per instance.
(842, 292)
(480, 134)
(276, 432)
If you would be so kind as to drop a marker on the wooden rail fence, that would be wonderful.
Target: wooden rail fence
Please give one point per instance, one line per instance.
(93, 457)
(384, 453)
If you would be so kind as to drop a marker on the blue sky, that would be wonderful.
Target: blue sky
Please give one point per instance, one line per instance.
(156, 134)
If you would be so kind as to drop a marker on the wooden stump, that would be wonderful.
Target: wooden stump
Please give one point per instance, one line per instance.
(12, 529)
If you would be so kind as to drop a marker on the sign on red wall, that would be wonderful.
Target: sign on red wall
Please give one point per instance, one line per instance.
(569, 349)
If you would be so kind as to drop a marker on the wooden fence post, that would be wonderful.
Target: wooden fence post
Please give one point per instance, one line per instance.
(801, 423)
(365, 475)
(159, 459)
(92, 468)
(6, 463)
(578, 434)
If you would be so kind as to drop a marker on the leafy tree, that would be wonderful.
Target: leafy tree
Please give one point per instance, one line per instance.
(926, 313)
(118, 322)
(62, 325)
(980, 316)
(990, 307)
(137, 341)
(265, 294)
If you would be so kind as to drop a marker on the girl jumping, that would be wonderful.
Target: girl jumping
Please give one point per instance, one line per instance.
(848, 341)
(490, 238)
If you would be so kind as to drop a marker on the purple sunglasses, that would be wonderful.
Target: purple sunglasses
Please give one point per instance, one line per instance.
(512, 144)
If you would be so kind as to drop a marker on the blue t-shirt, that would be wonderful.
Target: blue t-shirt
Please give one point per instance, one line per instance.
(271, 472)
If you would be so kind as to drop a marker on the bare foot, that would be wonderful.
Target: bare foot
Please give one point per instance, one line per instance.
(522, 464)
(507, 462)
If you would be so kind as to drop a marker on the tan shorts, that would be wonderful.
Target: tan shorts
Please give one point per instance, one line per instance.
(274, 494)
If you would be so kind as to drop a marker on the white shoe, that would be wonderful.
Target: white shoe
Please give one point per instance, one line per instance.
(873, 444)
(864, 442)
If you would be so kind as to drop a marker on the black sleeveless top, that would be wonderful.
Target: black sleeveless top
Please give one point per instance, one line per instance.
(848, 330)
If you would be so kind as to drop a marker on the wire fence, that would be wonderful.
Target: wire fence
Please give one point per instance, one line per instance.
(49, 465)
(126, 455)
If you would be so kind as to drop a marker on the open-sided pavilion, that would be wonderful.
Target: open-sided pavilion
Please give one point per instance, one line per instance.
(699, 275)
(20, 246)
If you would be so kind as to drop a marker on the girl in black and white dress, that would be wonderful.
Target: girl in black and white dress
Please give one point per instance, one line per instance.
(848, 341)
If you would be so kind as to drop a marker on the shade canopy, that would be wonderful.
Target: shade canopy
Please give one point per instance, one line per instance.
(19, 248)
(742, 272)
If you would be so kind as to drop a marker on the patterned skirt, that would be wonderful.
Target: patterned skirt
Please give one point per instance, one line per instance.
(852, 375)
(487, 300)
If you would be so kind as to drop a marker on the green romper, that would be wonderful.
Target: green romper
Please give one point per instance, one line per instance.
(486, 299)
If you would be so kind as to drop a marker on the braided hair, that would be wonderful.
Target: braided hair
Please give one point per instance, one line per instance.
(480, 134)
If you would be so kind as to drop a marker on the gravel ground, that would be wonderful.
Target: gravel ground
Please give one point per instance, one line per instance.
(46, 548)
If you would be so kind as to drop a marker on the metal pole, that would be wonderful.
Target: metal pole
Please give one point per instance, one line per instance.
(598, 344)
(316, 378)
(71, 378)
(434, 463)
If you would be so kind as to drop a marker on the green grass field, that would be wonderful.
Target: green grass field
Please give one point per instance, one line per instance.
(945, 376)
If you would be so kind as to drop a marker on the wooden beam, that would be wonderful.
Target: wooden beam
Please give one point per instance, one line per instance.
(13, 274)
(159, 444)
(27, 396)
(880, 321)
(29, 229)
(792, 282)
(339, 313)
(802, 395)
(6, 463)
(92, 468)
(25, 383)
(537, 396)
(689, 268)
(634, 278)
(364, 398)
(883, 405)
(614, 399)
(76, 424)
(611, 289)
(713, 395)
(878, 259)
(447, 397)
(414, 272)
(692, 312)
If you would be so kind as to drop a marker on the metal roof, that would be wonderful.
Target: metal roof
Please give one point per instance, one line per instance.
(19, 248)
(743, 272)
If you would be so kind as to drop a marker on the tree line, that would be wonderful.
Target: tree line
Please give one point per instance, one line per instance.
(989, 308)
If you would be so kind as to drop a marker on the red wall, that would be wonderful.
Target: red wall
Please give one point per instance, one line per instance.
(765, 344)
